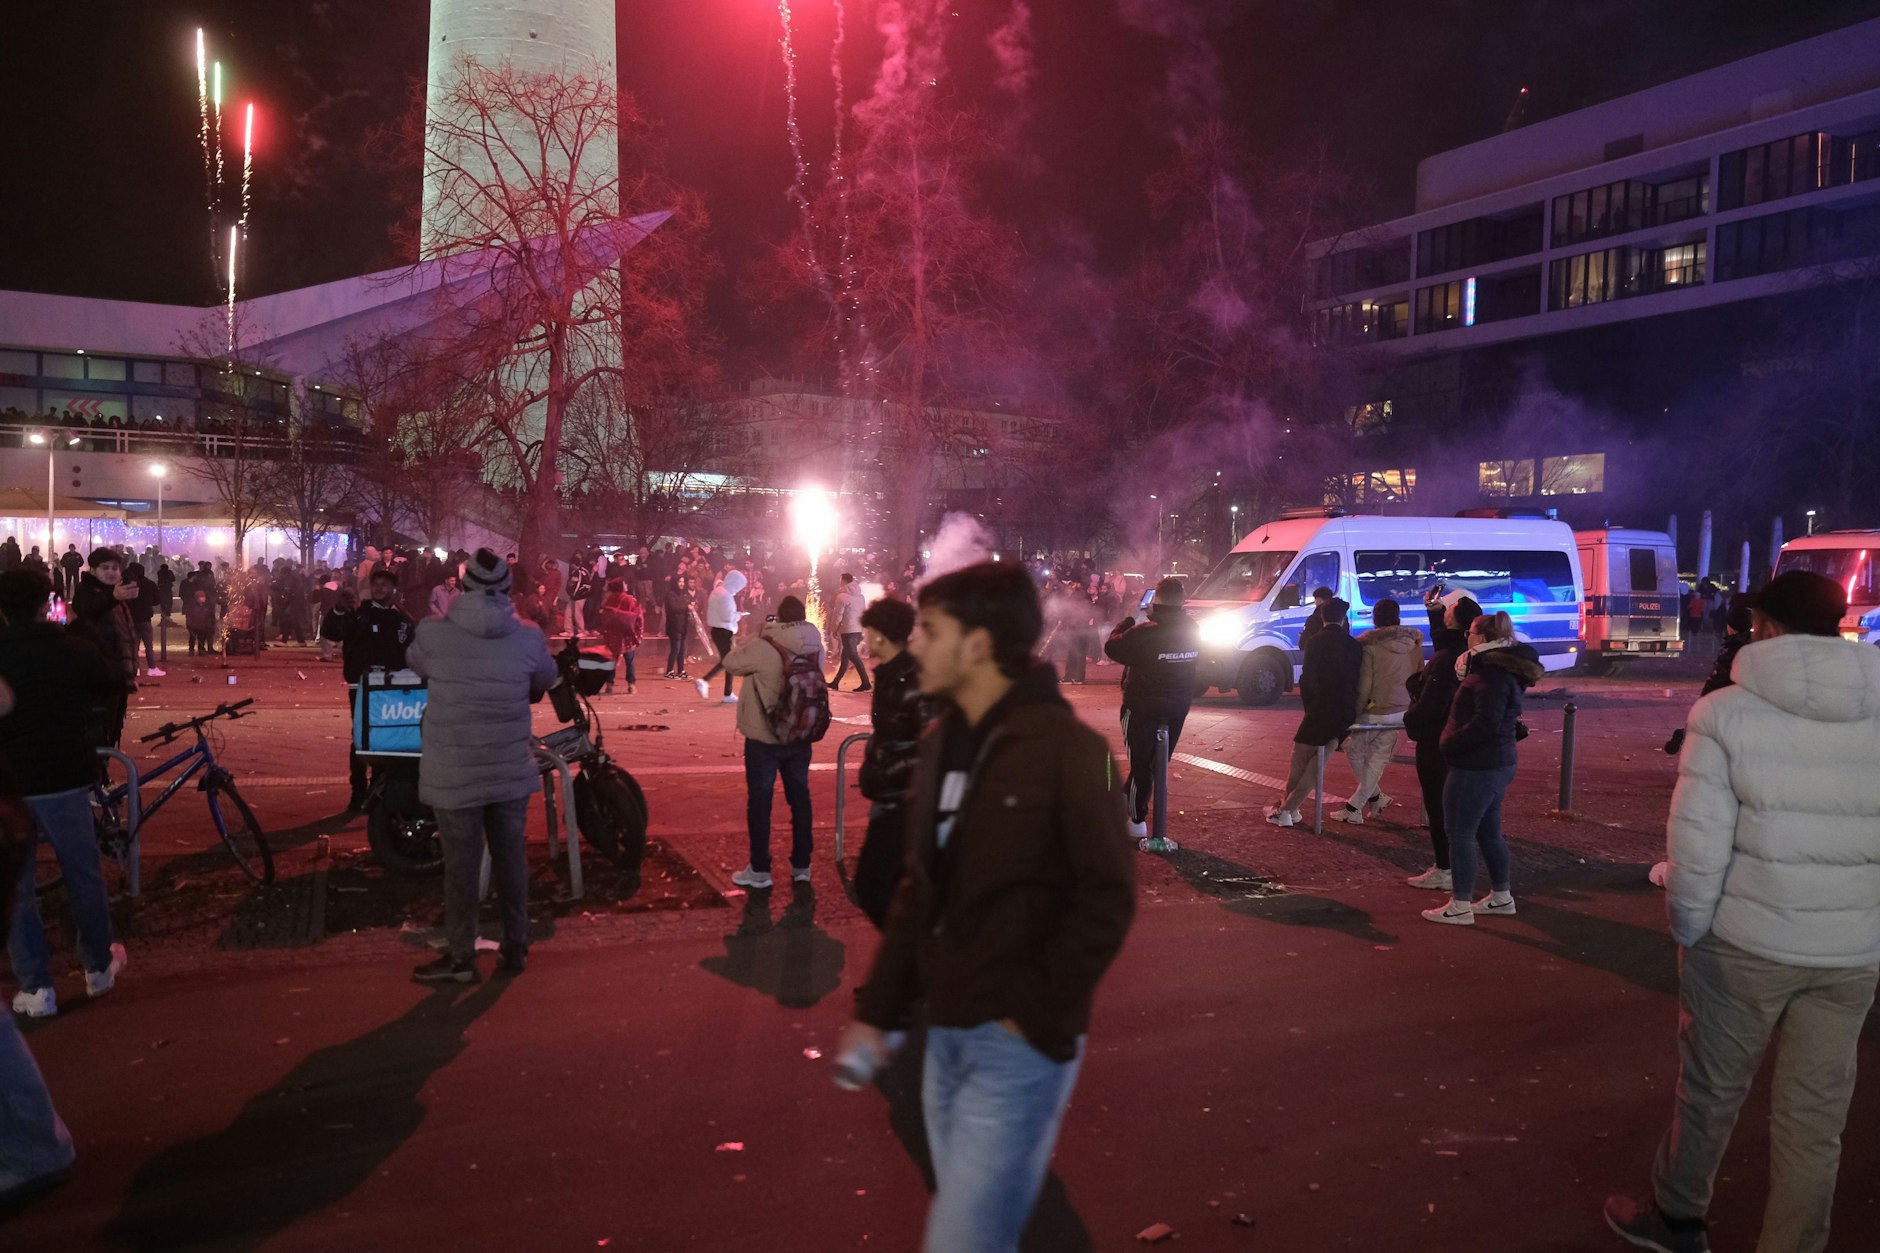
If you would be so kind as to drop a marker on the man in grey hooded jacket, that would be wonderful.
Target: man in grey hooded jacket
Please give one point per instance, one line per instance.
(485, 668)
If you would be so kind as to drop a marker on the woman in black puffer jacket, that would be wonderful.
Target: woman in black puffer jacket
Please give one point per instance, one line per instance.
(1478, 745)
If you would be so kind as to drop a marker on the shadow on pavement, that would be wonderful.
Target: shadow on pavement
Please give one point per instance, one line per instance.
(303, 1144)
(1245, 891)
(1054, 1227)
(1645, 957)
(792, 959)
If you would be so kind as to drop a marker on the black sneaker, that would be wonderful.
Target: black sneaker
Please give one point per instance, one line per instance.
(446, 969)
(512, 963)
(1641, 1224)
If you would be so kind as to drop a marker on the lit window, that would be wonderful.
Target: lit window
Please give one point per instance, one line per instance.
(1578, 475)
(1376, 487)
(1370, 418)
(1506, 478)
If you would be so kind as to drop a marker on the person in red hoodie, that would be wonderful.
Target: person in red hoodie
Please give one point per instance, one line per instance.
(623, 626)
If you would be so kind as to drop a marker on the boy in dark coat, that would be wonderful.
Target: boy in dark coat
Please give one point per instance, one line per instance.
(1328, 685)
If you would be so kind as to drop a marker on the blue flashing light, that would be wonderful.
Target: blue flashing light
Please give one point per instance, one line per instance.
(1468, 302)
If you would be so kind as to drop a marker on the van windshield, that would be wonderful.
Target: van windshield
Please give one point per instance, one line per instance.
(1243, 576)
(1852, 568)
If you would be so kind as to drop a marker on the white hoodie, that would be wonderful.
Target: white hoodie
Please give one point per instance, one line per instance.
(1775, 824)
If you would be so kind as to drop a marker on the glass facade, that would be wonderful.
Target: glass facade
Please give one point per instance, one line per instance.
(1615, 208)
(1478, 241)
(1358, 269)
(1361, 321)
(1439, 307)
(1502, 479)
(1614, 273)
(1578, 475)
(1775, 171)
(1780, 241)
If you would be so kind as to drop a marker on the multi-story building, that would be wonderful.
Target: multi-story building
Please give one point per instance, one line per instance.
(1644, 306)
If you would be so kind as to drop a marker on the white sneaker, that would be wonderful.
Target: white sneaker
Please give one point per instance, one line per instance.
(98, 982)
(1351, 814)
(154, 673)
(1138, 830)
(40, 1004)
(798, 876)
(1489, 905)
(748, 878)
(1380, 803)
(1435, 879)
(704, 688)
(1283, 817)
(730, 700)
(1456, 914)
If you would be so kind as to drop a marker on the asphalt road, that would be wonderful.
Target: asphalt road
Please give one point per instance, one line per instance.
(1282, 1041)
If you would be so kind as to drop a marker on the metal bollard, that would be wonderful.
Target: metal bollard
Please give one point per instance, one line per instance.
(1569, 717)
(842, 791)
(1318, 797)
(1158, 841)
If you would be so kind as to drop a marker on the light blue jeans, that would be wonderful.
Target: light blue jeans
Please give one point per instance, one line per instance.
(64, 819)
(33, 1142)
(993, 1105)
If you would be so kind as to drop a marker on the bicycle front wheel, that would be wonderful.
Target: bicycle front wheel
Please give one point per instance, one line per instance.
(236, 824)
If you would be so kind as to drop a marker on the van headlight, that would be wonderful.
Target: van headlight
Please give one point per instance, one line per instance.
(1221, 628)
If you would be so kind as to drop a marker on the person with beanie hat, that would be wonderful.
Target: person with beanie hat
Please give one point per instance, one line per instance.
(1431, 693)
(485, 667)
(1774, 900)
(1158, 656)
(897, 715)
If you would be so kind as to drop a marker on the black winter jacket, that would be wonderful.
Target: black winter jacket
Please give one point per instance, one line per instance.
(379, 636)
(1480, 732)
(1723, 674)
(1432, 691)
(899, 714)
(1329, 686)
(58, 678)
(1159, 654)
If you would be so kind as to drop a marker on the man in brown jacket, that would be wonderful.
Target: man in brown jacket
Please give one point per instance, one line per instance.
(1019, 890)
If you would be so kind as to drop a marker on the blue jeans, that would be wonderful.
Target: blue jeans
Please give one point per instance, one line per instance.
(33, 1142)
(64, 818)
(993, 1105)
(762, 764)
(1472, 819)
(463, 833)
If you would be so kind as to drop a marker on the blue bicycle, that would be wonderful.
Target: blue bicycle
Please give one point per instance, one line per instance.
(117, 818)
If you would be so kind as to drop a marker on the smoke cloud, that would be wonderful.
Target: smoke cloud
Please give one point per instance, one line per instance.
(1195, 88)
(913, 54)
(962, 541)
(1012, 51)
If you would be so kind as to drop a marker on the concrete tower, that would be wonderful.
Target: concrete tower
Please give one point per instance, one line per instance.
(542, 36)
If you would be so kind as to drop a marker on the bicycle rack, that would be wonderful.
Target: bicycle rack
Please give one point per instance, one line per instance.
(553, 763)
(134, 814)
(842, 791)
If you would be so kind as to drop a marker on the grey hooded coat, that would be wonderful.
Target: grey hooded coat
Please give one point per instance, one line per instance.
(485, 667)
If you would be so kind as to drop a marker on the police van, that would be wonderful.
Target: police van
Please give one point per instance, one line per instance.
(1253, 605)
(1633, 600)
(1852, 559)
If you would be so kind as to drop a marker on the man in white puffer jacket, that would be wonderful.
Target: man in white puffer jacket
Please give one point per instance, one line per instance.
(1774, 894)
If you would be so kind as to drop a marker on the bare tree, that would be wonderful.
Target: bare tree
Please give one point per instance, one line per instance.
(306, 483)
(528, 175)
(244, 413)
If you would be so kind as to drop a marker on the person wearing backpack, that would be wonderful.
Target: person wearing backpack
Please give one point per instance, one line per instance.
(783, 712)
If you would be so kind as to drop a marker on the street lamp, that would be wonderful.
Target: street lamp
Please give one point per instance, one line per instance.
(1158, 534)
(1234, 523)
(46, 440)
(1811, 521)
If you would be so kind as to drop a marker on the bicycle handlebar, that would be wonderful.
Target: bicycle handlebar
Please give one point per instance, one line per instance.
(170, 730)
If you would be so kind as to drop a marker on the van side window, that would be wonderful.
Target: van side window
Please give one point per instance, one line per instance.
(1402, 577)
(1644, 570)
(1316, 571)
(1508, 578)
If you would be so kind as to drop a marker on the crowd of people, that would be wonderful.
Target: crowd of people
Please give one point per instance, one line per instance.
(997, 861)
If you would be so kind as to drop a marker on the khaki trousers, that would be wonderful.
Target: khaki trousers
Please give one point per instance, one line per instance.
(1730, 1002)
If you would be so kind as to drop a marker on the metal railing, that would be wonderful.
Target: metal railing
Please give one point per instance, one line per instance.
(553, 763)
